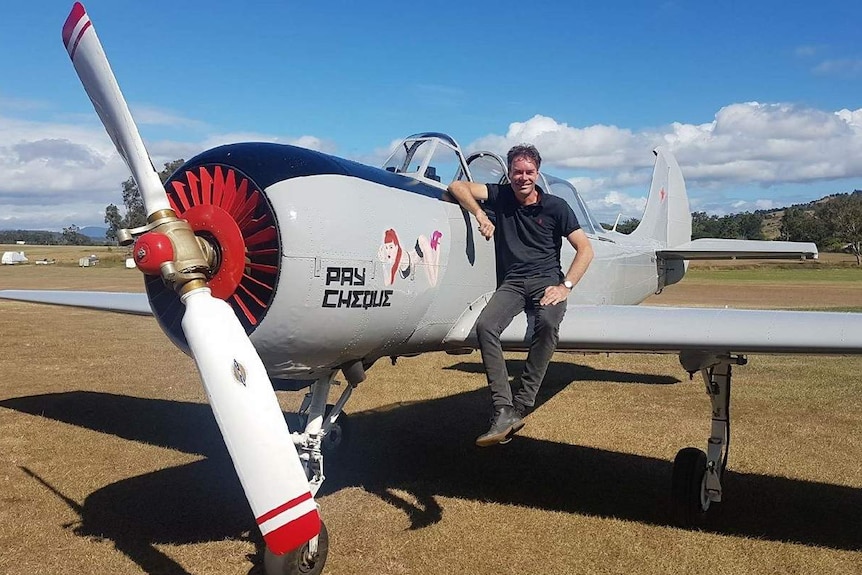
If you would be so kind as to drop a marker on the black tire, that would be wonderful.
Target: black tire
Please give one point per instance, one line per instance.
(688, 502)
(296, 562)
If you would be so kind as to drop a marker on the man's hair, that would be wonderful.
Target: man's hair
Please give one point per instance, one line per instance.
(528, 151)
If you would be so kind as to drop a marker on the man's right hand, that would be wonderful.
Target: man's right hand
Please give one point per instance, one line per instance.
(486, 226)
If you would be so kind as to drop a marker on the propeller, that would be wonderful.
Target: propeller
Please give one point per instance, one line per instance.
(234, 377)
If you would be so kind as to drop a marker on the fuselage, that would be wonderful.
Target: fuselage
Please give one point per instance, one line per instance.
(378, 260)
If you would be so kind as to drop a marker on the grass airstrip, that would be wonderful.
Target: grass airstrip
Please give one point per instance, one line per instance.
(110, 461)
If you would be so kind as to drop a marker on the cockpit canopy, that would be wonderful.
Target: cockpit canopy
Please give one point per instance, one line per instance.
(431, 157)
(436, 159)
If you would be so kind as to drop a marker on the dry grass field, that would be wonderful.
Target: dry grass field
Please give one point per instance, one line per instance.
(111, 463)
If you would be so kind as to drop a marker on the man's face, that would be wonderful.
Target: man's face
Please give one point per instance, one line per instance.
(523, 174)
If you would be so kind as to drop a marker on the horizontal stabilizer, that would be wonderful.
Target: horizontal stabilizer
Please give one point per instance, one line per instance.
(720, 249)
(131, 303)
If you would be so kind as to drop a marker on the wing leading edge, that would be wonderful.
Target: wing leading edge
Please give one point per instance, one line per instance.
(131, 303)
(674, 329)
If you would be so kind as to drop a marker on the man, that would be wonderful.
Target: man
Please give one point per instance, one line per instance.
(530, 225)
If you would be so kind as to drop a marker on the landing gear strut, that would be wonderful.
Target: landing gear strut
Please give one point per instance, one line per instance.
(696, 481)
(324, 431)
(325, 426)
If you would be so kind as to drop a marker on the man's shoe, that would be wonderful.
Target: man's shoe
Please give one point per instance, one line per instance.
(521, 410)
(506, 423)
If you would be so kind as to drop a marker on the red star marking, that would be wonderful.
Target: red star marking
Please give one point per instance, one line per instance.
(662, 194)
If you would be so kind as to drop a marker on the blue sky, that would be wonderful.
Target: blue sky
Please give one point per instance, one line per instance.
(760, 101)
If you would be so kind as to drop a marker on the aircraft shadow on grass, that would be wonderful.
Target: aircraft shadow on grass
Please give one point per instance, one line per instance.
(425, 449)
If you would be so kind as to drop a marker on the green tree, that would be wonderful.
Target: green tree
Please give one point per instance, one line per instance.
(72, 236)
(750, 226)
(704, 226)
(843, 215)
(136, 213)
(628, 226)
(800, 225)
(114, 221)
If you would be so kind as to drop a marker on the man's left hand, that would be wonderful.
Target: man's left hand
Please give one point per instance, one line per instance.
(555, 294)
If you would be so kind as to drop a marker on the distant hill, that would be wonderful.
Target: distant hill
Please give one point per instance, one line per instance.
(91, 234)
(94, 232)
(772, 219)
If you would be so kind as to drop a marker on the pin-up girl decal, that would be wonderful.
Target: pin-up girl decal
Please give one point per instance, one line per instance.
(401, 262)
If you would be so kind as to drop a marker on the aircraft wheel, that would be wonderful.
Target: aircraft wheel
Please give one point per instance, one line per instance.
(298, 562)
(689, 501)
(339, 434)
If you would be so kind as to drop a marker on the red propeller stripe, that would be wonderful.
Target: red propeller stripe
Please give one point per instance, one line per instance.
(75, 16)
(295, 530)
(294, 533)
(284, 507)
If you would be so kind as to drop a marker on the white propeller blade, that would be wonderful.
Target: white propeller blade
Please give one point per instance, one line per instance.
(233, 374)
(95, 73)
(251, 421)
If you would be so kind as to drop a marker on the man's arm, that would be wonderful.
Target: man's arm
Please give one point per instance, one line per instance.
(583, 257)
(467, 194)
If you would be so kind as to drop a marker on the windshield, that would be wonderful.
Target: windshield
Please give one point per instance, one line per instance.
(486, 168)
(430, 157)
(563, 189)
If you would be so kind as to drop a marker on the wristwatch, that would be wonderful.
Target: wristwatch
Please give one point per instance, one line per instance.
(568, 284)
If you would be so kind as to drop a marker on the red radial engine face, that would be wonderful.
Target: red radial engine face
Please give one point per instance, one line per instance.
(226, 208)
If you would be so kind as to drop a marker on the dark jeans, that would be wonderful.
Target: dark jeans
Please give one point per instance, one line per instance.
(512, 297)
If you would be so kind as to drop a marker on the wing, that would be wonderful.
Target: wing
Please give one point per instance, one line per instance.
(132, 303)
(674, 329)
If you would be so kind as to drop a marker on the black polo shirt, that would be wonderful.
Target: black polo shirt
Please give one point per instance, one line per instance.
(528, 238)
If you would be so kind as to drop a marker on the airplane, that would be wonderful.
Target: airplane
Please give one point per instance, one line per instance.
(279, 267)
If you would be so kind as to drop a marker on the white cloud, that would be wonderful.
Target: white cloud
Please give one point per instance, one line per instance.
(847, 67)
(806, 51)
(747, 145)
(152, 116)
(55, 174)
(741, 158)
(614, 202)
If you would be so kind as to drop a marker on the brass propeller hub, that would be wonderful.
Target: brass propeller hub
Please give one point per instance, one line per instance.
(167, 246)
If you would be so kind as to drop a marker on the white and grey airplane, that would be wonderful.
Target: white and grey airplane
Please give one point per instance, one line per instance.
(275, 266)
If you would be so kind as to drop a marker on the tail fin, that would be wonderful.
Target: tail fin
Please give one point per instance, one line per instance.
(667, 218)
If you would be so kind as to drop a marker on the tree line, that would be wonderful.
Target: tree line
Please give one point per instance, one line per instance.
(834, 223)
(70, 236)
